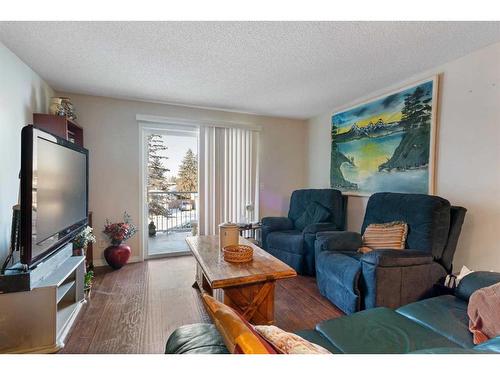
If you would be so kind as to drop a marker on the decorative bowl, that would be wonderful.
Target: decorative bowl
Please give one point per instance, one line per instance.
(237, 253)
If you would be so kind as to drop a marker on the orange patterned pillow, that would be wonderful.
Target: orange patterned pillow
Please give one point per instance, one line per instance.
(384, 236)
(238, 335)
(289, 343)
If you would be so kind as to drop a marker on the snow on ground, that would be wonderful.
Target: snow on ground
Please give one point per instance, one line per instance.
(177, 221)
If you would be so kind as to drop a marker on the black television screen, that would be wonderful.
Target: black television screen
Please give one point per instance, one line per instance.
(54, 199)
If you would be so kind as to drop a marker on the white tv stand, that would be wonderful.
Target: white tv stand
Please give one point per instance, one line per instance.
(39, 320)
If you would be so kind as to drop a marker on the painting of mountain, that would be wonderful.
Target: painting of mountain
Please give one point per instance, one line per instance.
(386, 144)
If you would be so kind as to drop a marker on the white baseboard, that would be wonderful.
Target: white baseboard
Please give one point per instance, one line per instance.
(102, 262)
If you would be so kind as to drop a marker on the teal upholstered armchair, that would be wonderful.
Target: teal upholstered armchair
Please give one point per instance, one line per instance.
(292, 238)
(387, 277)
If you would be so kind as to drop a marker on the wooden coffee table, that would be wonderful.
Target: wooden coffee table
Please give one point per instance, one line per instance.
(246, 287)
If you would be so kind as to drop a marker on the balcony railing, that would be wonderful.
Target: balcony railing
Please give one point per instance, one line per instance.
(173, 211)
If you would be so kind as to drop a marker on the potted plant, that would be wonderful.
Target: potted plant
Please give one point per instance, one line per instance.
(87, 283)
(118, 253)
(81, 241)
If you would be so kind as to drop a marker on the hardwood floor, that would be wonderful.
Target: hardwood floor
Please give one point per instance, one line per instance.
(135, 309)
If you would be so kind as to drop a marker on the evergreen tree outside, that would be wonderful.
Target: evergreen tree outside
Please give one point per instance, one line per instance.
(156, 176)
(187, 179)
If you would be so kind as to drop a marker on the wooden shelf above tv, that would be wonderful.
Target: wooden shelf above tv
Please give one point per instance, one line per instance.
(60, 126)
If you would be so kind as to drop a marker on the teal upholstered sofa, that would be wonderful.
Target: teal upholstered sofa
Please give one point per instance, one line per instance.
(434, 325)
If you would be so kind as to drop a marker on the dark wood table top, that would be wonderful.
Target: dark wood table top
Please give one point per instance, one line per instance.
(221, 274)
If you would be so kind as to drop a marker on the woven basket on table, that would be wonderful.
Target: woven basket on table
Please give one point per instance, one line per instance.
(238, 253)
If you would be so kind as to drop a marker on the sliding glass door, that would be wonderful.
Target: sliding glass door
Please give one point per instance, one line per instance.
(170, 172)
(222, 161)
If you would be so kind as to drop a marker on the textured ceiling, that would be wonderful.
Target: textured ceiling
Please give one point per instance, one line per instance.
(289, 69)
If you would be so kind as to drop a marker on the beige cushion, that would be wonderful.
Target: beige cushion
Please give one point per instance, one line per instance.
(289, 343)
(384, 236)
(484, 313)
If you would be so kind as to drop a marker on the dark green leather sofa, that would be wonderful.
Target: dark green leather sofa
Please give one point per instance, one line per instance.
(436, 325)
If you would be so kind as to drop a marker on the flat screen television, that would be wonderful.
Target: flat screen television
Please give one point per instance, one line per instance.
(54, 193)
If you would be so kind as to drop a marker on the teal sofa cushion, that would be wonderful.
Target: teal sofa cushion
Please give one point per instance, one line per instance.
(492, 345)
(291, 240)
(313, 214)
(380, 330)
(446, 315)
(331, 199)
(448, 351)
(317, 338)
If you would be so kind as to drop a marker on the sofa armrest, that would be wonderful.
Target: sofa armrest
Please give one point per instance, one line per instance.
(393, 278)
(338, 240)
(320, 227)
(475, 281)
(273, 224)
(492, 345)
(396, 258)
(198, 338)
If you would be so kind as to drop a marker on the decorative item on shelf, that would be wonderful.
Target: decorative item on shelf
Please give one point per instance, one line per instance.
(118, 253)
(87, 283)
(82, 240)
(228, 234)
(62, 106)
(238, 253)
(56, 107)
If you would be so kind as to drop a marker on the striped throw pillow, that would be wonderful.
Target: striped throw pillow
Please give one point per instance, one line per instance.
(384, 236)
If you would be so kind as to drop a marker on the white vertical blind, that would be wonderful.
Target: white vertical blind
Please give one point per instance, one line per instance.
(229, 176)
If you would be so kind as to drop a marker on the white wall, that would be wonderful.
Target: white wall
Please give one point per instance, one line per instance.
(112, 136)
(22, 92)
(468, 162)
(468, 170)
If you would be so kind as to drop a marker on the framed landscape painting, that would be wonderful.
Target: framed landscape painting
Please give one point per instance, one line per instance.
(387, 143)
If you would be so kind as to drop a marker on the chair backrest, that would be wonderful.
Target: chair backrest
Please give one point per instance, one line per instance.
(474, 281)
(331, 199)
(428, 218)
(456, 220)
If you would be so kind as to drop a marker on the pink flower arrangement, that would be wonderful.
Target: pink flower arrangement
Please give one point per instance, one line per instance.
(119, 232)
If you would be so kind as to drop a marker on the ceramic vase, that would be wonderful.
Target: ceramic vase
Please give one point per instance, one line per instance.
(117, 255)
(229, 234)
